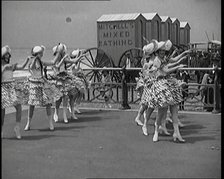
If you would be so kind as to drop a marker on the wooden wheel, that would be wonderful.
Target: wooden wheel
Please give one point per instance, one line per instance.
(131, 58)
(95, 58)
(135, 55)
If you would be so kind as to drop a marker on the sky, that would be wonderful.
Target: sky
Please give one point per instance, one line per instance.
(29, 23)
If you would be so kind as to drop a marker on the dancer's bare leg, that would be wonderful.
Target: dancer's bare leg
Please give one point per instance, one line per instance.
(162, 128)
(56, 111)
(18, 120)
(140, 112)
(49, 116)
(65, 103)
(174, 115)
(2, 118)
(71, 104)
(161, 113)
(147, 114)
(30, 116)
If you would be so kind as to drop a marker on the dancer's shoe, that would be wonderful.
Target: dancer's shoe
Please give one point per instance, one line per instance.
(27, 127)
(180, 124)
(17, 131)
(163, 130)
(55, 117)
(138, 122)
(176, 134)
(51, 125)
(77, 110)
(178, 138)
(144, 130)
(74, 116)
(155, 137)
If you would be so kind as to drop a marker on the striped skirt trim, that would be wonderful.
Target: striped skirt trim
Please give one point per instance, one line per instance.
(162, 93)
(9, 97)
(42, 92)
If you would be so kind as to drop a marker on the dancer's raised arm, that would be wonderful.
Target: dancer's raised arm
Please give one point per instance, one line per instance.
(174, 59)
(22, 66)
(176, 63)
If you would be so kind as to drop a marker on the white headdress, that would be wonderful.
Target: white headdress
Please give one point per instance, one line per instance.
(75, 53)
(60, 48)
(151, 47)
(6, 49)
(165, 45)
(37, 49)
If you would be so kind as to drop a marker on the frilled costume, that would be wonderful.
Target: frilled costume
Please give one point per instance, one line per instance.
(13, 91)
(67, 83)
(41, 91)
(164, 90)
(145, 79)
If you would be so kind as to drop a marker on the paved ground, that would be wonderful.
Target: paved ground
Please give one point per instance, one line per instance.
(103, 144)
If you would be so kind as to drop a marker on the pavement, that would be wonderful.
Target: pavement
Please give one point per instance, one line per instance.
(108, 144)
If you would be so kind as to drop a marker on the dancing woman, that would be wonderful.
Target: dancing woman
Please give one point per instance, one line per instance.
(172, 62)
(41, 91)
(145, 81)
(64, 81)
(164, 92)
(11, 93)
(76, 95)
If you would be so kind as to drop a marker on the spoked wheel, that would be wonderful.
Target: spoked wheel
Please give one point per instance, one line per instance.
(101, 93)
(131, 58)
(95, 58)
(135, 55)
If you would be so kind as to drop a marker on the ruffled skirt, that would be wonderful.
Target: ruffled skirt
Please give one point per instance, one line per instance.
(67, 84)
(42, 92)
(163, 92)
(141, 84)
(9, 97)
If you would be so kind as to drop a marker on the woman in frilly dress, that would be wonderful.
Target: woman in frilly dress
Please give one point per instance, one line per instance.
(63, 80)
(75, 97)
(145, 80)
(41, 91)
(12, 90)
(164, 91)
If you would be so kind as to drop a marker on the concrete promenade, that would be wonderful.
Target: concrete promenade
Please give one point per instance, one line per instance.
(108, 144)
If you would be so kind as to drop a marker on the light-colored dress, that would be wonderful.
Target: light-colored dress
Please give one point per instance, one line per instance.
(67, 83)
(164, 90)
(41, 91)
(78, 76)
(146, 78)
(13, 91)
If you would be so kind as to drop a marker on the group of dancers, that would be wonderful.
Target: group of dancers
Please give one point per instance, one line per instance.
(67, 84)
(157, 88)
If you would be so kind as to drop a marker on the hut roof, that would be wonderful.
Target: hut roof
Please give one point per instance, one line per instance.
(174, 19)
(150, 16)
(184, 24)
(164, 18)
(118, 17)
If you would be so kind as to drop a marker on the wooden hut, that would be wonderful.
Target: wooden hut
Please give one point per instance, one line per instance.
(166, 29)
(175, 33)
(117, 33)
(153, 26)
(184, 33)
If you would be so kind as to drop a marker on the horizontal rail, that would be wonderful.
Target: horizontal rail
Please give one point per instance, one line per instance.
(129, 69)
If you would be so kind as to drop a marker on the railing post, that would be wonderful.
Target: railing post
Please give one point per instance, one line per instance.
(216, 93)
(124, 87)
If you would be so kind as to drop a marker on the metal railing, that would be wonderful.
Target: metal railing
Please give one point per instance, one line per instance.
(124, 92)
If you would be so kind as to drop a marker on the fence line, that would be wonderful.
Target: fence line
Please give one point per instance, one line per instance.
(125, 90)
